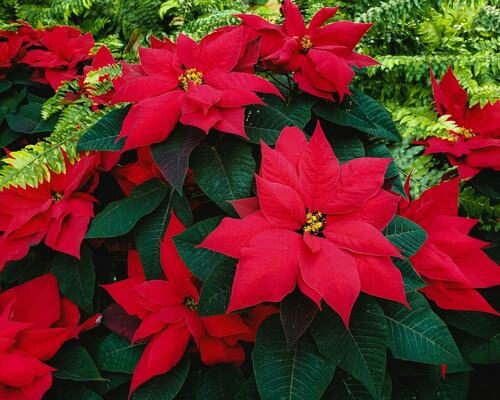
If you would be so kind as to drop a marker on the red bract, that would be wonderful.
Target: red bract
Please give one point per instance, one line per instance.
(58, 210)
(168, 310)
(197, 84)
(320, 56)
(476, 144)
(316, 224)
(102, 58)
(34, 323)
(63, 48)
(10, 43)
(452, 263)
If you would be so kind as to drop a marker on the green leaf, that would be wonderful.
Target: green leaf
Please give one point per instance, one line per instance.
(166, 386)
(104, 133)
(149, 235)
(70, 391)
(5, 85)
(26, 119)
(297, 312)
(482, 325)
(216, 290)
(172, 155)
(265, 122)
(76, 278)
(219, 382)
(478, 351)
(111, 382)
(297, 372)
(73, 362)
(411, 278)
(116, 354)
(201, 262)
(363, 113)
(248, 390)
(452, 387)
(392, 173)
(419, 335)
(345, 387)
(347, 149)
(119, 217)
(224, 172)
(359, 350)
(406, 235)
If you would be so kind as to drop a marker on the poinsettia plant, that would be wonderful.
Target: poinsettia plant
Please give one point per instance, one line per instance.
(223, 219)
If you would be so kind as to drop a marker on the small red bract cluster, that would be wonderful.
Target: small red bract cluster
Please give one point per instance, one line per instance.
(476, 143)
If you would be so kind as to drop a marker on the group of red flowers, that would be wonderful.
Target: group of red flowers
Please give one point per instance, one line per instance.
(314, 224)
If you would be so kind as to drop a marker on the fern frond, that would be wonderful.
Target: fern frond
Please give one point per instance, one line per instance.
(479, 206)
(100, 80)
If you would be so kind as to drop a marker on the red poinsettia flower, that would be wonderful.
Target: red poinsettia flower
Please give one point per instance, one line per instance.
(63, 49)
(451, 262)
(58, 210)
(136, 173)
(34, 323)
(10, 43)
(197, 84)
(169, 317)
(476, 143)
(315, 224)
(320, 56)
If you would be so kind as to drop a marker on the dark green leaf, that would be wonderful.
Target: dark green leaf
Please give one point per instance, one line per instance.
(119, 217)
(479, 351)
(71, 391)
(406, 235)
(12, 101)
(220, 382)
(411, 279)
(419, 335)
(249, 390)
(73, 362)
(265, 122)
(76, 278)
(166, 386)
(216, 290)
(116, 354)
(224, 172)
(359, 350)
(363, 113)
(111, 382)
(296, 312)
(452, 387)
(297, 372)
(149, 235)
(5, 85)
(392, 173)
(26, 119)
(345, 387)
(347, 149)
(482, 325)
(200, 262)
(104, 133)
(172, 155)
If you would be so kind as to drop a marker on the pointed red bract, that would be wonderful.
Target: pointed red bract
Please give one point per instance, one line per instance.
(34, 323)
(319, 56)
(168, 310)
(58, 210)
(318, 228)
(451, 262)
(199, 84)
(475, 144)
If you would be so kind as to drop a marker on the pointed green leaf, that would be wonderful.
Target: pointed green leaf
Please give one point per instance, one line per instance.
(359, 350)
(418, 334)
(479, 351)
(117, 354)
(103, 135)
(119, 217)
(166, 386)
(297, 312)
(73, 362)
(216, 290)
(265, 122)
(224, 172)
(361, 112)
(411, 278)
(297, 372)
(220, 382)
(452, 387)
(201, 262)
(70, 391)
(406, 235)
(76, 278)
(172, 155)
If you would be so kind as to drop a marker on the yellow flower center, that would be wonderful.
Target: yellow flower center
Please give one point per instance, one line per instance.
(315, 222)
(191, 304)
(56, 196)
(191, 74)
(465, 133)
(306, 43)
